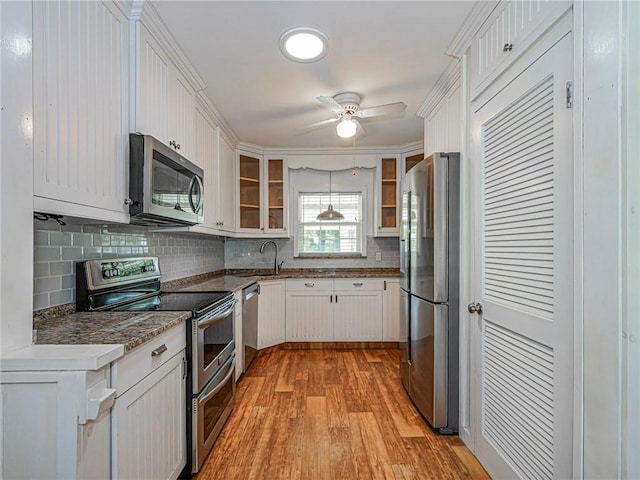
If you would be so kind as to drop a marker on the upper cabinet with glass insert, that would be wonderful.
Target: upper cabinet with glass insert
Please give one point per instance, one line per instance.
(262, 199)
(387, 188)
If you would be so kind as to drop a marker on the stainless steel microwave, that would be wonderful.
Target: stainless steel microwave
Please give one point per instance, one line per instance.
(164, 187)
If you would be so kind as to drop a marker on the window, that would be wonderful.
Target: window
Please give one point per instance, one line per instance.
(330, 237)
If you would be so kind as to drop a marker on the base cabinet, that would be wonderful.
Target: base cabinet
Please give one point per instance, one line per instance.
(271, 313)
(149, 414)
(391, 311)
(46, 430)
(340, 310)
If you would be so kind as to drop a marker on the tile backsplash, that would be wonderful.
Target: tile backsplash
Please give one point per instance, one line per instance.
(245, 253)
(57, 248)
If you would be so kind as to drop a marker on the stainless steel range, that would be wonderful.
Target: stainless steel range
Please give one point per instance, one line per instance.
(132, 284)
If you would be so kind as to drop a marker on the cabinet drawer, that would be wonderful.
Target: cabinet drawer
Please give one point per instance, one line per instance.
(143, 360)
(354, 284)
(310, 284)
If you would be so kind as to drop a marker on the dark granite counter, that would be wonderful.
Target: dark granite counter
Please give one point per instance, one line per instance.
(130, 329)
(319, 273)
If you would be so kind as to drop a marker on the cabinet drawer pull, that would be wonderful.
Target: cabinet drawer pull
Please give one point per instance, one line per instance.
(507, 47)
(159, 351)
(359, 284)
(309, 284)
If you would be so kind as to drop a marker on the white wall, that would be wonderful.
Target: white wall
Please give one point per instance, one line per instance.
(16, 176)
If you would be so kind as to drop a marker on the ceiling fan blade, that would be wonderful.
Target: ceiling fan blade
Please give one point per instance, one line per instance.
(389, 109)
(331, 103)
(313, 126)
(360, 127)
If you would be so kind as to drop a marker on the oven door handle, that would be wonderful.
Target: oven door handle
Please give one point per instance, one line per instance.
(221, 383)
(211, 321)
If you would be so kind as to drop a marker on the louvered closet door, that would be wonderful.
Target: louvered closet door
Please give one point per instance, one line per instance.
(523, 382)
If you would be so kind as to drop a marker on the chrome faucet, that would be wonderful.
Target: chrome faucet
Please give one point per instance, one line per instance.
(276, 265)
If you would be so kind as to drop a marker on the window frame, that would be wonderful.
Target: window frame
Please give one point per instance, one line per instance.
(363, 225)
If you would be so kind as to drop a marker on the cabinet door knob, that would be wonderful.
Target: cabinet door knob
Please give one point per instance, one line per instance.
(178, 146)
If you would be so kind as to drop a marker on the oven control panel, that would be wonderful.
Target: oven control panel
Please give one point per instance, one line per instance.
(120, 271)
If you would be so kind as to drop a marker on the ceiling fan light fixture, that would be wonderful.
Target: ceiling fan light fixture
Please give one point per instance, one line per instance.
(346, 128)
(303, 44)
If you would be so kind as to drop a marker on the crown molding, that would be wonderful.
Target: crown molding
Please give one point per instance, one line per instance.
(449, 78)
(144, 12)
(478, 15)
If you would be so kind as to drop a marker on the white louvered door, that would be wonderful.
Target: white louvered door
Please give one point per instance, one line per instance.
(523, 342)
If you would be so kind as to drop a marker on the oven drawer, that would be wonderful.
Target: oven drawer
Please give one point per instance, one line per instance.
(143, 360)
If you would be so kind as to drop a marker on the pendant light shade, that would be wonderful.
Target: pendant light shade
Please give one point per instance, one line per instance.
(330, 213)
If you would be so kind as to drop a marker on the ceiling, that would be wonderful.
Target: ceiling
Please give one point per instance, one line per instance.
(385, 51)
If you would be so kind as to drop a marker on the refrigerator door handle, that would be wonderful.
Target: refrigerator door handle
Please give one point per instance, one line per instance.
(403, 268)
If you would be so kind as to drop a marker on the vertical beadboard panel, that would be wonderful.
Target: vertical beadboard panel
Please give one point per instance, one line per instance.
(151, 425)
(358, 317)
(271, 309)
(204, 155)
(309, 317)
(152, 88)
(391, 317)
(183, 120)
(437, 130)
(515, 23)
(80, 103)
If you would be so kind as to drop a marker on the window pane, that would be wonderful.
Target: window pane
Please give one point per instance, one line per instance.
(330, 236)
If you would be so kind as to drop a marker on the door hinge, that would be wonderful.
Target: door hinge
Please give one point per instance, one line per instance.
(569, 92)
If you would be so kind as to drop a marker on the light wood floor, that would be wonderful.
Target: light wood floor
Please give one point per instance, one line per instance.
(331, 414)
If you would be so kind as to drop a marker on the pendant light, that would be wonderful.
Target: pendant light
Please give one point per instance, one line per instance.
(330, 213)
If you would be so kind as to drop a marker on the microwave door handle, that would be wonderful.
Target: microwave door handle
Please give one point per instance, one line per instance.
(195, 206)
(220, 384)
(211, 321)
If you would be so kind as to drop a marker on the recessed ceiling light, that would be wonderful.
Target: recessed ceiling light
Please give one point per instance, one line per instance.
(303, 44)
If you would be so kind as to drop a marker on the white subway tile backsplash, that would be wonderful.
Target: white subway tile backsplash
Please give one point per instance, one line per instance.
(47, 284)
(56, 249)
(46, 254)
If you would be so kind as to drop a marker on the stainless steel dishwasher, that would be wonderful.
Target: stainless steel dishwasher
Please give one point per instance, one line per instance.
(250, 323)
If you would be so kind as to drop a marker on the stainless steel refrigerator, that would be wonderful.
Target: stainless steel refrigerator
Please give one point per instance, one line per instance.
(429, 281)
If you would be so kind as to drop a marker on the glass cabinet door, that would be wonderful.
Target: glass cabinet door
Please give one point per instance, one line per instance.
(275, 194)
(249, 192)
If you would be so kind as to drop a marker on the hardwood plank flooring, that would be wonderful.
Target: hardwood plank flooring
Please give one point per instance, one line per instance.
(331, 414)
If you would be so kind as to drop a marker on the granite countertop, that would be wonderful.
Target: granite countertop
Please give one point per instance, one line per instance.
(236, 280)
(320, 273)
(130, 329)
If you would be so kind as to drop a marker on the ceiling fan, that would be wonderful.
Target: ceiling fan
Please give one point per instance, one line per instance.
(346, 107)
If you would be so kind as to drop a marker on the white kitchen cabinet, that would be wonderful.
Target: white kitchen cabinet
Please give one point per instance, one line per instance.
(512, 27)
(388, 176)
(341, 310)
(391, 311)
(226, 200)
(165, 105)
(262, 195)
(149, 414)
(80, 109)
(56, 411)
(237, 334)
(357, 310)
(271, 313)
(309, 305)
